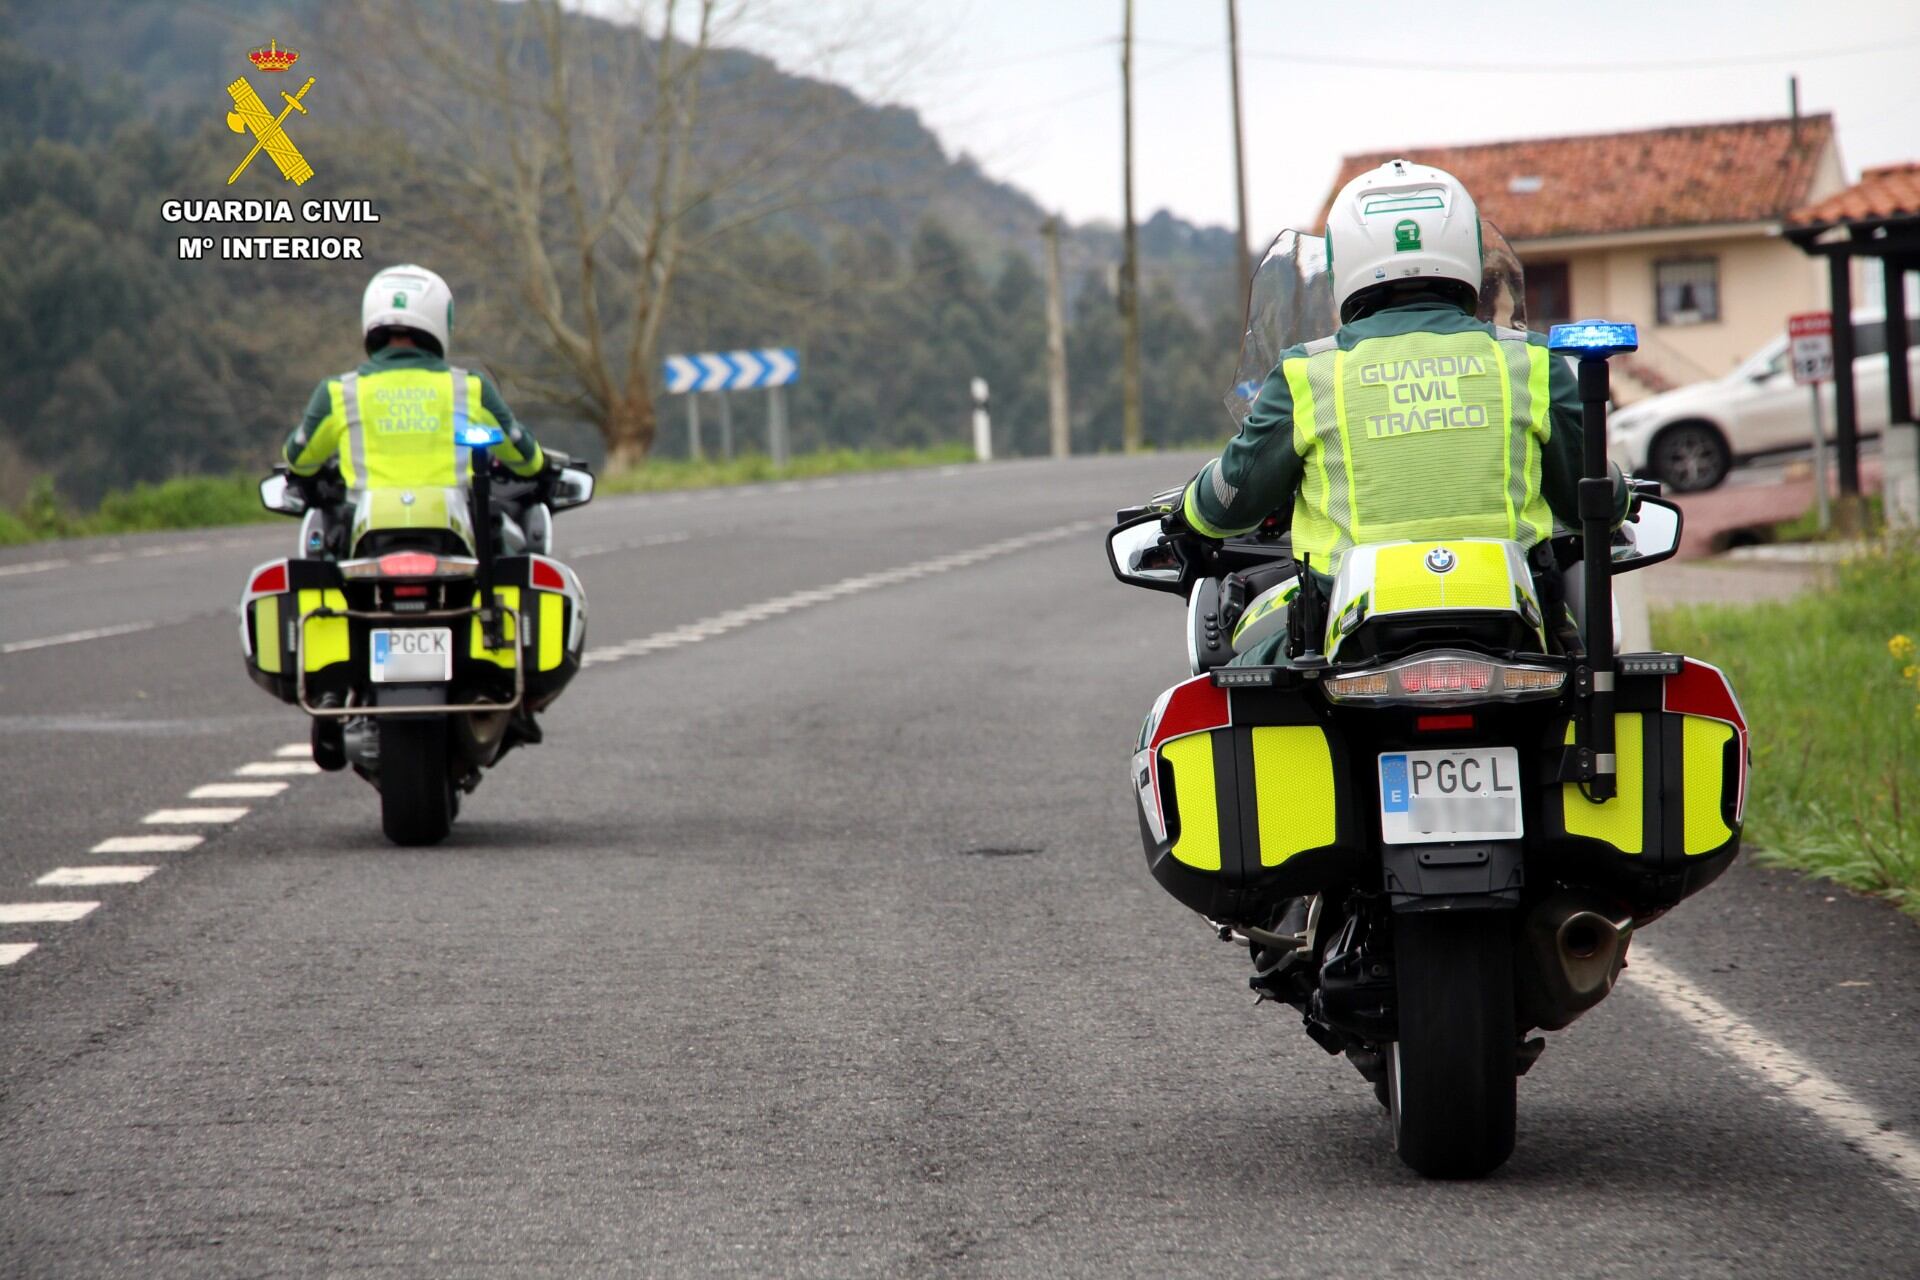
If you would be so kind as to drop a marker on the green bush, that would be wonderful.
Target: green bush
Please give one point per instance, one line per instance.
(187, 502)
(754, 468)
(1832, 695)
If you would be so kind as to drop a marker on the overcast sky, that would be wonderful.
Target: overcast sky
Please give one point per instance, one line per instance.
(1030, 88)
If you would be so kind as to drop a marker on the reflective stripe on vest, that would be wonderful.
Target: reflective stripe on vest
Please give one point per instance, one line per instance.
(1416, 436)
(356, 433)
(462, 456)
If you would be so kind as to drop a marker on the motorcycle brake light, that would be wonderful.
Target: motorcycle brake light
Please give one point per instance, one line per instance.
(270, 580)
(1441, 724)
(1446, 675)
(547, 576)
(409, 592)
(409, 564)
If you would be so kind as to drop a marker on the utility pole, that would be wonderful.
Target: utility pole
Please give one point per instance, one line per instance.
(1239, 152)
(1130, 436)
(1056, 344)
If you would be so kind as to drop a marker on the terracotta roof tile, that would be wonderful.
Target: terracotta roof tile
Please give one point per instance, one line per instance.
(1681, 176)
(1882, 194)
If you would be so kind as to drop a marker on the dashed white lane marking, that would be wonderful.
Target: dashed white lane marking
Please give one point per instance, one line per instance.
(276, 769)
(632, 544)
(31, 566)
(146, 844)
(1798, 1080)
(236, 790)
(294, 751)
(75, 637)
(14, 952)
(721, 623)
(43, 912)
(187, 817)
(68, 877)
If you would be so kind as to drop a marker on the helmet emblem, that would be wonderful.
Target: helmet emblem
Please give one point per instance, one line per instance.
(400, 301)
(1406, 236)
(1441, 560)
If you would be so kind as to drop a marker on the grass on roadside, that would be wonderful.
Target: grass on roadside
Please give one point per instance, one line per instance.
(187, 502)
(198, 502)
(754, 468)
(1833, 700)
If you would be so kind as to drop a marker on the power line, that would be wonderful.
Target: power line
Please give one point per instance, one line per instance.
(1543, 68)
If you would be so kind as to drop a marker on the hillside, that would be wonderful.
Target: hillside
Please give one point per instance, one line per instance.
(901, 269)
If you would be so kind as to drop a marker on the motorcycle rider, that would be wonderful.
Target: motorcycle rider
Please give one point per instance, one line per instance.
(1414, 420)
(391, 421)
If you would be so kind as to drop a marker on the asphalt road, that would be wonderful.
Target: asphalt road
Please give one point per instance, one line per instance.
(816, 941)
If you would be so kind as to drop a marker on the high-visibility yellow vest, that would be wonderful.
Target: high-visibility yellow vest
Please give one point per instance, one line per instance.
(1419, 436)
(400, 427)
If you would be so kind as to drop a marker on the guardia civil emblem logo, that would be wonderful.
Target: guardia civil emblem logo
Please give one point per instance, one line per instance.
(249, 115)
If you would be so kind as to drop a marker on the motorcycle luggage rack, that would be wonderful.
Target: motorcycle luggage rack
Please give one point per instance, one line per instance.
(381, 615)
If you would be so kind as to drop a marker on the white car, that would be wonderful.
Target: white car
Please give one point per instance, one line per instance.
(1690, 437)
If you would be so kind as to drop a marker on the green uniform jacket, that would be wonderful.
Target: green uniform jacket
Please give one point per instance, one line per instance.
(323, 433)
(1263, 467)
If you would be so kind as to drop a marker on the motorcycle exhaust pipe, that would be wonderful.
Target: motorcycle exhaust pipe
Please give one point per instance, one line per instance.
(1577, 950)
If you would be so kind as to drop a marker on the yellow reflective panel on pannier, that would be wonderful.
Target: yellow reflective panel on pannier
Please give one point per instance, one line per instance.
(1293, 788)
(326, 639)
(1194, 797)
(553, 625)
(1620, 821)
(1703, 762)
(266, 633)
(477, 643)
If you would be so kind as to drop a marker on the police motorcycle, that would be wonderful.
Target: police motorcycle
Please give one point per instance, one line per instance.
(422, 630)
(1438, 824)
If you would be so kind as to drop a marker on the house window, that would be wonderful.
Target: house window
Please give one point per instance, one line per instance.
(1687, 291)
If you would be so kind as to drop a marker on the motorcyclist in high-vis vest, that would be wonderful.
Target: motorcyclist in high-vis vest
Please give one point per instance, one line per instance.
(391, 422)
(1413, 420)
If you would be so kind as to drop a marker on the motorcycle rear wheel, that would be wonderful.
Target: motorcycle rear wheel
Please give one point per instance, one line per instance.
(1451, 1074)
(416, 780)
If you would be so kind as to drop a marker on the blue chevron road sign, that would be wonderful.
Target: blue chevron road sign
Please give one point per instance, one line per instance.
(731, 370)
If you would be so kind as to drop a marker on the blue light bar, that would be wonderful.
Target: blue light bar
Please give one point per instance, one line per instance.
(1594, 338)
(473, 436)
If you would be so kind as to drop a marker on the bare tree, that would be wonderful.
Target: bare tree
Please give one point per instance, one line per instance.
(600, 155)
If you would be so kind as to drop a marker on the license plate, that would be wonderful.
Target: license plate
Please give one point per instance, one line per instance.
(1468, 794)
(415, 653)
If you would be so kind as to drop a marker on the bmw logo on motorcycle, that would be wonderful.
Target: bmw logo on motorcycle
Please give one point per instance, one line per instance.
(1440, 560)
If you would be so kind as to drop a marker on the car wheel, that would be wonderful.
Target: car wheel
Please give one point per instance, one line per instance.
(1689, 457)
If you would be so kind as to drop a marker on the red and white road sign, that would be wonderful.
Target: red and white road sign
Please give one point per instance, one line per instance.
(1810, 346)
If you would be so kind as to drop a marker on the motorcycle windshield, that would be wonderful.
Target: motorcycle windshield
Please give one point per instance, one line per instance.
(1291, 303)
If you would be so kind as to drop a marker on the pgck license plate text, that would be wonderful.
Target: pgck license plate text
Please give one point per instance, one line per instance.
(416, 653)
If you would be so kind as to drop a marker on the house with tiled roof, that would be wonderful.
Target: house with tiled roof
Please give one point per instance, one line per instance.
(1677, 229)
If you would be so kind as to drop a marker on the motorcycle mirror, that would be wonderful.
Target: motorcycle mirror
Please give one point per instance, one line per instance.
(573, 488)
(475, 436)
(276, 494)
(1652, 535)
(1142, 556)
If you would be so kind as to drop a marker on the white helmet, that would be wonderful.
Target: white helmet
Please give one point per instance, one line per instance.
(407, 297)
(1402, 221)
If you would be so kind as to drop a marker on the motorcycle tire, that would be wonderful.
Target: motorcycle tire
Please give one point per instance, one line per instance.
(1451, 1074)
(416, 780)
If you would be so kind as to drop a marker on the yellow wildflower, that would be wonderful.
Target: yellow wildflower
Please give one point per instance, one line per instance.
(1901, 647)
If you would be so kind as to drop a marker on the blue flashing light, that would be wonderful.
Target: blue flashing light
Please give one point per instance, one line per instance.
(1594, 338)
(473, 436)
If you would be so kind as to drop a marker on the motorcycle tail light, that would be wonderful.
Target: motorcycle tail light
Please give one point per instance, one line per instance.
(409, 564)
(1446, 678)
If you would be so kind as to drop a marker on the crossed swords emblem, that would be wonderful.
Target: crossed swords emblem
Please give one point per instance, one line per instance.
(249, 114)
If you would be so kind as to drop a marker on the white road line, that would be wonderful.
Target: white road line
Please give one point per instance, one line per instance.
(187, 817)
(146, 844)
(75, 637)
(14, 952)
(1798, 1080)
(721, 623)
(72, 876)
(43, 912)
(236, 790)
(295, 751)
(276, 769)
(32, 566)
(107, 557)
